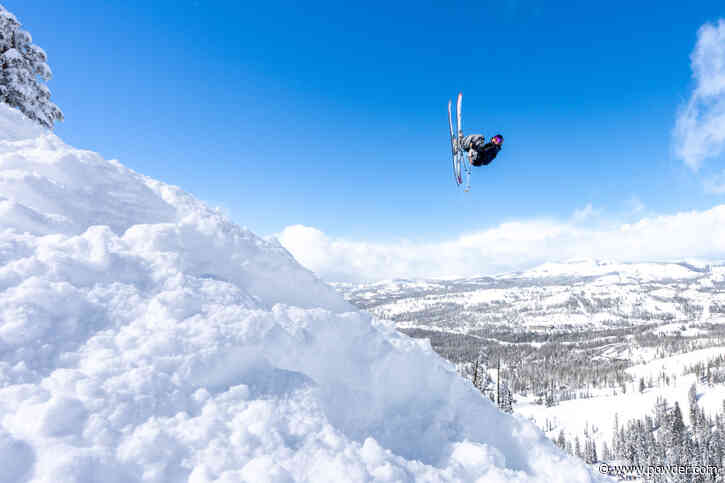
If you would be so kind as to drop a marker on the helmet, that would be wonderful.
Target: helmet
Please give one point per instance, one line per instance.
(497, 139)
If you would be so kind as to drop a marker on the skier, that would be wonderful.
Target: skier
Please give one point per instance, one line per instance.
(480, 152)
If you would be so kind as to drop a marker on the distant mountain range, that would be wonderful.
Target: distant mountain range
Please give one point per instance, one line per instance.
(577, 295)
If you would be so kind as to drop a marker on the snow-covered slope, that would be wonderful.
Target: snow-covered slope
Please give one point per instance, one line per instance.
(144, 337)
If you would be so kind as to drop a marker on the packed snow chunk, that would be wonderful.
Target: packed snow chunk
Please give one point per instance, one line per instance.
(144, 337)
(17, 458)
(263, 469)
(62, 416)
(378, 462)
(64, 464)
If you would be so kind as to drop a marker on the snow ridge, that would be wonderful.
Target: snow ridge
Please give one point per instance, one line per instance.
(145, 337)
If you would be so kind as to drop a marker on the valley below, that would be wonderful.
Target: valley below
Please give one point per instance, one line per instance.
(580, 348)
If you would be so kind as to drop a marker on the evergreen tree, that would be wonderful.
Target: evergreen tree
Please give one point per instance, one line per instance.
(23, 67)
(615, 437)
(590, 451)
(650, 455)
(692, 399)
(561, 440)
(677, 425)
(661, 411)
(507, 399)
(715, 450)
(688, 455)
(641, 449)
(606, 454)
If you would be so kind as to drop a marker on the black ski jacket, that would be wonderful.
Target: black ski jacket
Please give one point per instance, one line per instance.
(483, 155)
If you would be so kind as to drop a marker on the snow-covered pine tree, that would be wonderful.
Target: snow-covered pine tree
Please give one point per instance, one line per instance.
(507, 399)
(561, 440)
(715, 450)
(641, 443)
(652, 455)
(615, 437)
(675, 434)
(475, 377)
(23, 68)
(590, 450)
(692, 399)
(678, 426)
(661, 411)
(606, 453)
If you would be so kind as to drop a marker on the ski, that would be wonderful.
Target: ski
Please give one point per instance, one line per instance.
(458, 115)
(454, 147)
(463, 159)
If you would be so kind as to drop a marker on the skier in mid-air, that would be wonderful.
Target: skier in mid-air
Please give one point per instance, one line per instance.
(480, 152)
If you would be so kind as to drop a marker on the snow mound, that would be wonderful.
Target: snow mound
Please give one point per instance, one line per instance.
(145, 337)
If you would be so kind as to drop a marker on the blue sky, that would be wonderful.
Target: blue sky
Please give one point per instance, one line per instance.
(333, 116)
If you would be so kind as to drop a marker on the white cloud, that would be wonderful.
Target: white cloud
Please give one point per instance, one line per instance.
(510, 246)
(700, 128)
(586, 213)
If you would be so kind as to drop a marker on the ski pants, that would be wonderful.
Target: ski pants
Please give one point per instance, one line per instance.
(473, 141)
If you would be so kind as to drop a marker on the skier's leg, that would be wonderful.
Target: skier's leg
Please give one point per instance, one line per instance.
(467, 147)
(466, 142)
(473, 157)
